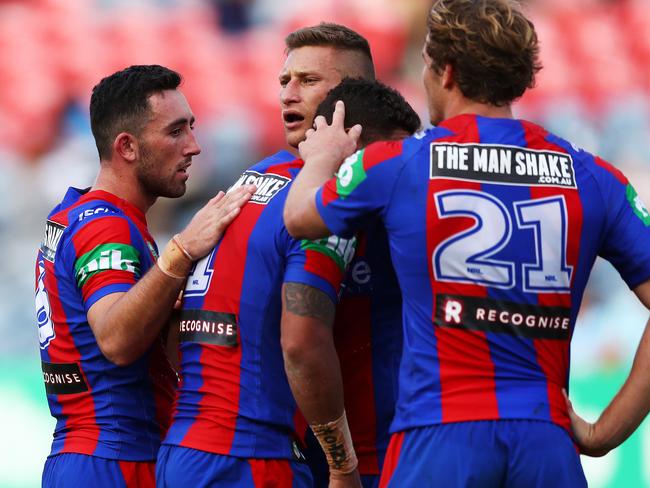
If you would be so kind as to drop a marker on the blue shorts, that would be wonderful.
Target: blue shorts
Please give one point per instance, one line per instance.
(183, 467)
(73, 470)
(490, 453)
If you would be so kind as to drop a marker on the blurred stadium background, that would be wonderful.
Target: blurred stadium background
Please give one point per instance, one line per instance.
(594, 90)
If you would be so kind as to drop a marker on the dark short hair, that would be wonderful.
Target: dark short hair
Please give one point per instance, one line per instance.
(380, 109)
(336, 36)
(491, 45)
(119, 102)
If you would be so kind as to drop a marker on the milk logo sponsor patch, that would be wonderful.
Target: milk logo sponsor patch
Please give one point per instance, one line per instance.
(268, 185)
(638, 207)
(53, 234)
(111, 256)
(501, 164)
(339, 249)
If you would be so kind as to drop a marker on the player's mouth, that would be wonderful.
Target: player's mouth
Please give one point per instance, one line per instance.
(183, 169)
(292, 119)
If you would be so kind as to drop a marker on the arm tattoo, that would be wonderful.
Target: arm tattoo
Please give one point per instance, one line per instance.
(308, 301)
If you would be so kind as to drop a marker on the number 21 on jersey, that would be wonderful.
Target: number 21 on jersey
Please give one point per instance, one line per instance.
(470, 256)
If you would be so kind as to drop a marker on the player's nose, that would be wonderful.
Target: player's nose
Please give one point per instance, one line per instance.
(192, 148)
(290, 92)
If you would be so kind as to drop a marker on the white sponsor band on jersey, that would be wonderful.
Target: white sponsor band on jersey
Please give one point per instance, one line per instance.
(484, 162)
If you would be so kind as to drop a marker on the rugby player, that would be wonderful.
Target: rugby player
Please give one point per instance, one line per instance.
(102, 301)
(493, 224)
(236, 421)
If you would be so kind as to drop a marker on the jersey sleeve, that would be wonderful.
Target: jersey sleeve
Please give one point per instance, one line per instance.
(626, 241)
(106, 260)
(361, 188)
(321, 264)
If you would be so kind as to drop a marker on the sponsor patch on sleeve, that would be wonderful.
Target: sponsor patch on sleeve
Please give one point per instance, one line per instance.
(53, 234)
(111, 256)
(501, 164)
(638, 207)
(350, 174)
(339, 249)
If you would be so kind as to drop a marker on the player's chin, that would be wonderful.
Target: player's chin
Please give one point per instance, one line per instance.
(294, 137)
(175, 190)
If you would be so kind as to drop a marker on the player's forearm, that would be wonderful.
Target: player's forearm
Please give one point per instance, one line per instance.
(314, 374)
(126, 324)
(315, 379)
(628, 408)
(135, 319)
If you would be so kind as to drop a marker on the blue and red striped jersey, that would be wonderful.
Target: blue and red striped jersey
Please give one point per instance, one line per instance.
(96, 244)
(234, 396)
(368, 338)
(493, 225)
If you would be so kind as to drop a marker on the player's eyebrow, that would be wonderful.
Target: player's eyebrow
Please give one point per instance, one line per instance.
(180, 121)
(298, 74)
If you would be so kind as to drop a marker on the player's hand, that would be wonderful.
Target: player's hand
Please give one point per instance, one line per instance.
(209, 223)
(327, 144)
(352, 480)
(584, 433)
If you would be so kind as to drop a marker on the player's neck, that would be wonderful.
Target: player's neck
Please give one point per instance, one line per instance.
(462, 106)
(124, 186)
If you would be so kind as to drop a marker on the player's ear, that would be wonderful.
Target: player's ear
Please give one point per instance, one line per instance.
(448, 76)
(126, 146)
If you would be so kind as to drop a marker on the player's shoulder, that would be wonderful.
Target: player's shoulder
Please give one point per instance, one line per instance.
(271, 175)
(594, 164)
(396, 152)
(70, 217)
(94, 211)
(79, 207)
(280, 162)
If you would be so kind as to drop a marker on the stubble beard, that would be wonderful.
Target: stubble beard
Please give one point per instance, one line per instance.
(152, 182)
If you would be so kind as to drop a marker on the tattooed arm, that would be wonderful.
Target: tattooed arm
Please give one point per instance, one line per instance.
(314, 374)
(310, 359)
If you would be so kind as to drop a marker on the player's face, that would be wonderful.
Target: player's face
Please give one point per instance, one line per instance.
(310, 72)
(166, 145)
(433, 87)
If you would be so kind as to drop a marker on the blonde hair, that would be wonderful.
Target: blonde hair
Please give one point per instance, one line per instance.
(491, 45)
(336, 36)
